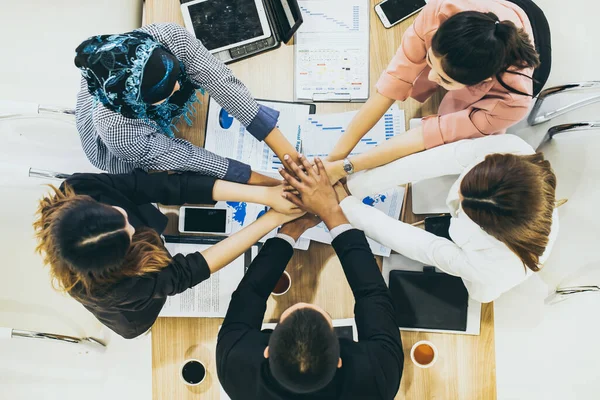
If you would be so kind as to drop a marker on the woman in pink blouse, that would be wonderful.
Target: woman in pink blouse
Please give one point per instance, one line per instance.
(483, 52)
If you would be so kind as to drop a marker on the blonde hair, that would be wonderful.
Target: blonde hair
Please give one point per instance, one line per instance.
(513, 198)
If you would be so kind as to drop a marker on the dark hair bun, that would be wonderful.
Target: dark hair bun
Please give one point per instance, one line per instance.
(91, 237)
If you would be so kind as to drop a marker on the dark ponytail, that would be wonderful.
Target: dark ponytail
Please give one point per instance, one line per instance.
(475, 46)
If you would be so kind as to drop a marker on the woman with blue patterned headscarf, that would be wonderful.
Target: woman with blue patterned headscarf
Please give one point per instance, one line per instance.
(138, 85)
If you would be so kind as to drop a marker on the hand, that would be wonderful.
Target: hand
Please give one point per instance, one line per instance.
(340, 191)
(279, 203)
(283, 219)
(297, 227)
(335, 170)
(318, 196)
(257, 179)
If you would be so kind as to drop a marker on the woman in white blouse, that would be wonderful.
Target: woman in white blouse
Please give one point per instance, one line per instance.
(504, 220)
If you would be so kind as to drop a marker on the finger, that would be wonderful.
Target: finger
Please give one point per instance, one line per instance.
(293, 191)
(339, 189)
(292, 198)
(300, 174)
(292, 181)
(308, 167)
(321, 168)
(292, 217)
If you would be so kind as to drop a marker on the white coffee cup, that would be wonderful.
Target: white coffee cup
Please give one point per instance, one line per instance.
(192, 374)
(425, 356)
(289, 278)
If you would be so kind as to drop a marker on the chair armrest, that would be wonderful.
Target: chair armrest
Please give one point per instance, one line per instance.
(535, 119)
(577, 126)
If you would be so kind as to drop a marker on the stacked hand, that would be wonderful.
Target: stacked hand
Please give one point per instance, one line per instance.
(279, 203)
(335, 170)
(297, 227)
(314, 192)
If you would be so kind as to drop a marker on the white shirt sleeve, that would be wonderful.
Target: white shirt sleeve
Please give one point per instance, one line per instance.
(287, 238)
(410, 241)
(449, 159)
(338, 230)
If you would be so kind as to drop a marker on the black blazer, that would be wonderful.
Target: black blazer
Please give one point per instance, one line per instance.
(132, 305)
(371, 369)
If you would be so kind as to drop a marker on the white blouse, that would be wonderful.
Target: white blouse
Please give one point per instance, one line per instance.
(487, 266)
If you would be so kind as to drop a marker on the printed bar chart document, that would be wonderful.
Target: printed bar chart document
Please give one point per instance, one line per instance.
(320, 132)
(332, 51)
(227, 137)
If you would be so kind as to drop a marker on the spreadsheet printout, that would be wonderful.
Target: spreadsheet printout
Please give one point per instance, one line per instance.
(332, 51)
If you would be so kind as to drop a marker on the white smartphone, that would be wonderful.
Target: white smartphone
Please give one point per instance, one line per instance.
(211, 220)
(221, 25)
(392, 12)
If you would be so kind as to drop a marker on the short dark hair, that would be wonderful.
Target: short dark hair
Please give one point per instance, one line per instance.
(91, 237)
(304, 351)
(475, 46)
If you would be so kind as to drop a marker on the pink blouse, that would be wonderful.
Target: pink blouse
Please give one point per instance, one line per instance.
(475, 111)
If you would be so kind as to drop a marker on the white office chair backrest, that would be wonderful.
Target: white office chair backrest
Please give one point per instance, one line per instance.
(574, 158)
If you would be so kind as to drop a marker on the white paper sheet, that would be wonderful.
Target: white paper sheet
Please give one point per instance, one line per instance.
(399, 262)
(389, 202)
(243, 214)
(332, 51)
(234, 141)
(209, 298)
(321, 132)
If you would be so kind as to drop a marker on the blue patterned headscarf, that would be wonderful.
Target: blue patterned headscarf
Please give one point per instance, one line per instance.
(129, 72)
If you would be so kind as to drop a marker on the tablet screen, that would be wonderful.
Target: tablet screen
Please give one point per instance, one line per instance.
(220, 23)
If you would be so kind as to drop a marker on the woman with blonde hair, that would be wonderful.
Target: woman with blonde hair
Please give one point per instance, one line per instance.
(100, 235)
(503, 216)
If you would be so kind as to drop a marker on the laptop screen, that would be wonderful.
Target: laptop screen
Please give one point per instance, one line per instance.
(220, 23)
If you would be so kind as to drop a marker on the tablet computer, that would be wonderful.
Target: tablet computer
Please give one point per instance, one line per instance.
(222, 25)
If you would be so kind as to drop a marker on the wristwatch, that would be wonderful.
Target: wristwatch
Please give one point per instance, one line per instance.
(348, 166)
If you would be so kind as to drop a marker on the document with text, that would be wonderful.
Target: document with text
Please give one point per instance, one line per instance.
(209, 298)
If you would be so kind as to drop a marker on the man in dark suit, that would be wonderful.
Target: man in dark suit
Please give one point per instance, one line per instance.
(302, 358)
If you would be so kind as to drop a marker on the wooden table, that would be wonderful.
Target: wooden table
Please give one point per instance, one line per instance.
(466, 368)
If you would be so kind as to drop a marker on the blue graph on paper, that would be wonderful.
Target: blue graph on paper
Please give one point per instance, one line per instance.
(320, 133)
(322, 14)
(239, 211)
(376, 199)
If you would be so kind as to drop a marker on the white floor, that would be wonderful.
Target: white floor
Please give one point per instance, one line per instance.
(29, 370)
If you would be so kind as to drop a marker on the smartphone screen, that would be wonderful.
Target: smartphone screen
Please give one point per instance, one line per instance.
(344, 332)
(205, 220)
(395, 10)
